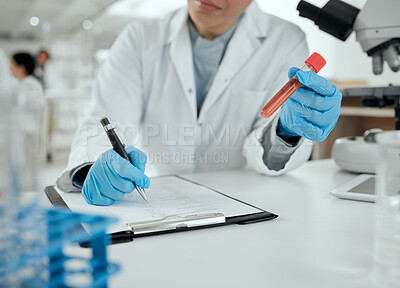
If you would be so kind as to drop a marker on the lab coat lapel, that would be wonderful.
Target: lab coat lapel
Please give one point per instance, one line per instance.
(245, 40)
(239, 50)
(182, 59)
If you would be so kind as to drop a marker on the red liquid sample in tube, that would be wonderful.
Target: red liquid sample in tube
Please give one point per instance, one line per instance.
(313, 63)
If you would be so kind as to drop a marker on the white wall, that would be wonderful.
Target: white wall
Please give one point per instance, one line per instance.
(11, 47)
(345, 60)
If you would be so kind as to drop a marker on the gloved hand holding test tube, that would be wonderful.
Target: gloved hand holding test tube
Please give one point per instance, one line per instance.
(310, 103)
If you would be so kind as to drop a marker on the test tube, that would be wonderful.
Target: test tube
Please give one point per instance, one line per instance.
(313, 63)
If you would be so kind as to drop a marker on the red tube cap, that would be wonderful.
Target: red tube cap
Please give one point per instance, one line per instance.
(316, 61)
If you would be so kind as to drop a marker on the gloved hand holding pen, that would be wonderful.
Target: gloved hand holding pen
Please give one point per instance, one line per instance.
(313, 110)
(111, 177)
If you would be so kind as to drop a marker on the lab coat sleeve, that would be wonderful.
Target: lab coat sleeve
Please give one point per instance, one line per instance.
(117, 94)
(264, 130)
(278, 153)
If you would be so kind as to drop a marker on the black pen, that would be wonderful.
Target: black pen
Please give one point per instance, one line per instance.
(120, 149)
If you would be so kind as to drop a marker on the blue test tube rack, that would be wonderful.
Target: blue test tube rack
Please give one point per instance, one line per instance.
(34, 249)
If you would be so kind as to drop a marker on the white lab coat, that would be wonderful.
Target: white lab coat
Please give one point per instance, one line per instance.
(30, 103)
(147, 90)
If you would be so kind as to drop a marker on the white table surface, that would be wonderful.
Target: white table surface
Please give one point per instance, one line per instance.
(317, 240)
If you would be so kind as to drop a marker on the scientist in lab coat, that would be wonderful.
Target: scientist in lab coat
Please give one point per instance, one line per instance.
(29, 99)
(187, 90)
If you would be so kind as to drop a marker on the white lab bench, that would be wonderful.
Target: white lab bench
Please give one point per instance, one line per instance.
(317, 240)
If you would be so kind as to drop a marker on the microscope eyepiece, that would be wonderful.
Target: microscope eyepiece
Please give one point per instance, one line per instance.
(336, 17)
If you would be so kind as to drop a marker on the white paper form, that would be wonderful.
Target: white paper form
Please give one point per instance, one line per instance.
(168, 195)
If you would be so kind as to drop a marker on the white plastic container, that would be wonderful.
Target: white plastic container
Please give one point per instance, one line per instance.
(386, 253)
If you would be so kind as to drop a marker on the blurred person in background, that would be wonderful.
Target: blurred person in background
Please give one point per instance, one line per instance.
(27, 118)
(41, 73)
(40, 70)
(28, 93)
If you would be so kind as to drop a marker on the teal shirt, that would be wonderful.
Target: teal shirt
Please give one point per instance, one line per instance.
(207, 56)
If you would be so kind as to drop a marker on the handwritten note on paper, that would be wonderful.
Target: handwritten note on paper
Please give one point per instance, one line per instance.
(167, 195)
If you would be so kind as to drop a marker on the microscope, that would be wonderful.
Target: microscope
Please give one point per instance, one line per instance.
(377, 28)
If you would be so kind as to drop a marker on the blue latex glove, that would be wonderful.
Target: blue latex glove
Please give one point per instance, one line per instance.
(313, 110)
(112, 176)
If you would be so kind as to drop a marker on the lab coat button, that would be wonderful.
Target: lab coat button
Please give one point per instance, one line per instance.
(190, 90)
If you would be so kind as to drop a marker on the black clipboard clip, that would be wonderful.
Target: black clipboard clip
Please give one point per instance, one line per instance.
(114, 238)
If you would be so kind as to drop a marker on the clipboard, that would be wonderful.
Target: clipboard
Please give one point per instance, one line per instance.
(177, 222)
